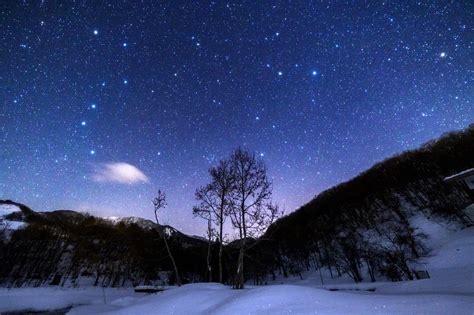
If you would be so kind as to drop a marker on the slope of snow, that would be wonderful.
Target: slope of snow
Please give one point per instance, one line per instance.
(279, 299)
(14, 225)
(35, 299)
(7, 209)
(206, 298)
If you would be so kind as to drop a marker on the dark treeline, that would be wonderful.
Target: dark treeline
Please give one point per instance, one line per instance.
(62, 247)
(362, 228)
(70, 248)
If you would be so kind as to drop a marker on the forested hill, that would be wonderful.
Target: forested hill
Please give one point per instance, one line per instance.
(365, 223)
(70, 248)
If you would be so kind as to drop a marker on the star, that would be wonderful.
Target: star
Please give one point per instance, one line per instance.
(201, 90)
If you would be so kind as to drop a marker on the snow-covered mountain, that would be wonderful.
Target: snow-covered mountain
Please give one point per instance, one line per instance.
(143, 223)
(65, 247)
(14, 215)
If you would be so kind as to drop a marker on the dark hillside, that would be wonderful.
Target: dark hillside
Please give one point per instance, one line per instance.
(364, 223)
(67, 247)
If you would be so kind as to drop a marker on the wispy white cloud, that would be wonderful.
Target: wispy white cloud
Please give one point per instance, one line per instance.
(119, 172)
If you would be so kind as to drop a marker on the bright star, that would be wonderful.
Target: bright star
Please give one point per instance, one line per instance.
(93, 106)
(442, 55)
(92, 152)
(314, 73)
(261, 154)
(280, 73)
(96, 32)
(83, 123)
(124, 44)
(125, 81)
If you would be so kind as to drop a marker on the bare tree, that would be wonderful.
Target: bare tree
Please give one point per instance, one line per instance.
(214, 201)
(251, 211)
(160, 203)
(205, 212)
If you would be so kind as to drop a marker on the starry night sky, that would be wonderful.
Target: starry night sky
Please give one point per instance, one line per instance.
(319, 90)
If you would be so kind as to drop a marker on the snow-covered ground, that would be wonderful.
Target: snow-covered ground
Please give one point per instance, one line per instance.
(450, 290)
(8, 224)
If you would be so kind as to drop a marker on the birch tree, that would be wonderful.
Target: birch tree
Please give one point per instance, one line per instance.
(160, 203)
(214, 203)
(251, 212)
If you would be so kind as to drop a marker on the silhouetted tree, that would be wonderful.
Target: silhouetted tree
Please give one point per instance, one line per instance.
(250, 212)
(205, 212)
(160, 202)
(214, 203)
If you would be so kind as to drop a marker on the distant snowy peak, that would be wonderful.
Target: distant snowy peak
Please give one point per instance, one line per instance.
(5, 217)
(6, 209)
(113, 219)
(141, 222)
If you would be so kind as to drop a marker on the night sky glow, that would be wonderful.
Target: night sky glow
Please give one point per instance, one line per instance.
(104, 102)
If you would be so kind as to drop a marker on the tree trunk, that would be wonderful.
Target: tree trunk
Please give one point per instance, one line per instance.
(239, 283)
(318, 265)
(221, 231)
(243, 238)
(178, 279)
(240, 267)
(221, 227)
(209, 267)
